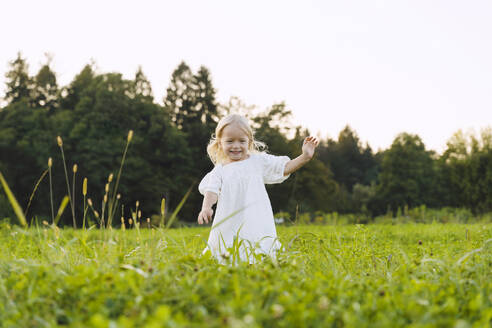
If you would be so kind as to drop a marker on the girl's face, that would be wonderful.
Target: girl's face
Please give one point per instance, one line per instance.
(234, 143)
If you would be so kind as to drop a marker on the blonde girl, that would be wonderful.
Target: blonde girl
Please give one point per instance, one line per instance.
(243, 221)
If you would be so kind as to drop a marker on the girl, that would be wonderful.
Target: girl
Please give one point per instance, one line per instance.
(244, 217)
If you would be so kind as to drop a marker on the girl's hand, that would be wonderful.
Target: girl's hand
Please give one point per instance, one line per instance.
(205, 215)
(309, 145)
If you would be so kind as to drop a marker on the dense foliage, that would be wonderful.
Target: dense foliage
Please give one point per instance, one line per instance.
(94, 113)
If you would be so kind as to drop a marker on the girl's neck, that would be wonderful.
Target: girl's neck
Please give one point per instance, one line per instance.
(230, 161)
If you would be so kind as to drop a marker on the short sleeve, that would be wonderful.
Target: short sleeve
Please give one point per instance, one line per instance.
(273, 168)
(211, 182)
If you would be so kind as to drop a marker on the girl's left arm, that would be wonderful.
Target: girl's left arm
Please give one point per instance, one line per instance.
(308, 147)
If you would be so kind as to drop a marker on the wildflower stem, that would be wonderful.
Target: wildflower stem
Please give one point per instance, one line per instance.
(84, 193)
(73, 192)
(34, 191)
(60, 144)
(85, 212)
(51, 192)
(113, 196)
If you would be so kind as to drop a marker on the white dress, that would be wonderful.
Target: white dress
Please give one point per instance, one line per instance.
(243, 224)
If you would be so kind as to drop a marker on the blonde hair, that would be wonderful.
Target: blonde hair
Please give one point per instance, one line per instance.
(214, 150)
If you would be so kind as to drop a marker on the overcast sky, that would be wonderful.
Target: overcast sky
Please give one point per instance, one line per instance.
(382, 67)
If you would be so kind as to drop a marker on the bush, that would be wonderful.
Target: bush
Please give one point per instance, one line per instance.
(420, 214)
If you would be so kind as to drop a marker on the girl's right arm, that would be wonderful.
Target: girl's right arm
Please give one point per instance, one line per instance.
(206, 213)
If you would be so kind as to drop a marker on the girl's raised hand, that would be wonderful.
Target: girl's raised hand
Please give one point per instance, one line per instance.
(205, 215)
(309, 145)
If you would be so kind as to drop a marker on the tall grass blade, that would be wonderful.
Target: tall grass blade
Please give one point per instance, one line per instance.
(113, 196)
(178, 208)
(13, 202)
(63, 204)
(60, 144)
(228, 218)
(34, 191)
(477, 250)
(73, 192)
(50, 163)
(109, 218)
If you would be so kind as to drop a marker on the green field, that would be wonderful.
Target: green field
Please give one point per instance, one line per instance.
(412, 275)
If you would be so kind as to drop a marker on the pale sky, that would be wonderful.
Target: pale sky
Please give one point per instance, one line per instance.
(382, 67)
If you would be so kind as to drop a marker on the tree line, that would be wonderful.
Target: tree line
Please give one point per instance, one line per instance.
(95, 111)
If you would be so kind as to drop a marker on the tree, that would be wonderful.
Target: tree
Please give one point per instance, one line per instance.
(24, 148)
(466, 171)
(349, 161)
(206, 104)
(158, 160)
(190, 102)
(99, 112)
(311, 188)
(407, 175)
(275, 119)
(237, 106)
(142, 86)
(179, 100)
(191, 98)
(71, 95)
(191, 105)
(45, 91)
(19, 84)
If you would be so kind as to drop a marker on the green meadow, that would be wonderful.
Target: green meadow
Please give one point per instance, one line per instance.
(401, 237)
(403, 275)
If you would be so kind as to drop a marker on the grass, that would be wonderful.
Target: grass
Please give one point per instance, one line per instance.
(381, 275)
(434, 275)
